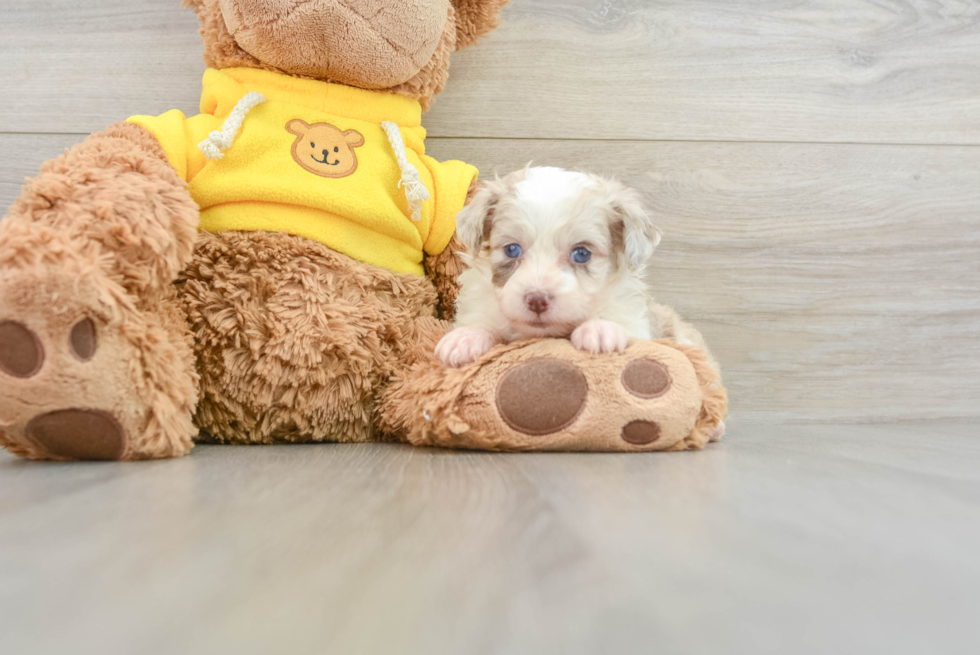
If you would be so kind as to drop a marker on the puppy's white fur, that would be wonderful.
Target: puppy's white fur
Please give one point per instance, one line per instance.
(548, 213)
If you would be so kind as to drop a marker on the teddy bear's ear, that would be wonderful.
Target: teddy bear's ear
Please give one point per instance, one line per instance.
(354, 138)
(474, 18)
(191, 3)
(297, 127)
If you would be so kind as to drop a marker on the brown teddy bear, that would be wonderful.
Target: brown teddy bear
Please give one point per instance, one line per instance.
(279, 267)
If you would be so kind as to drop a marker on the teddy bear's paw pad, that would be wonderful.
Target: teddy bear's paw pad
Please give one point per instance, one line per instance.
(646, 378)
(542, 396)
(87, 434)
(21, 352)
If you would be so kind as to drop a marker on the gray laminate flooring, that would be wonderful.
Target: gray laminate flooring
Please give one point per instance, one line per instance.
(781, 539)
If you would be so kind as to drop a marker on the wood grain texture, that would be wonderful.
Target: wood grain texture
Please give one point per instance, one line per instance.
(794, 539)
(21, 156)
(833, 282)
(868, 71)
(73, 66)
(893, 71)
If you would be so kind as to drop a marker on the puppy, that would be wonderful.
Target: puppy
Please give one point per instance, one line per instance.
(556, 253)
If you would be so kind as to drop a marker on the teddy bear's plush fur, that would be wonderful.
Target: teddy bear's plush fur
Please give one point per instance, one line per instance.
(238, 337)
(400, 30)
(125, 333)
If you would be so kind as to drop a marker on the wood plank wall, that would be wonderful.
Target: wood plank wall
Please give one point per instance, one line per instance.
(815, 164)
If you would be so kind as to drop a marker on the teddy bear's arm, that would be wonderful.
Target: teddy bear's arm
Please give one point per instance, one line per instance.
(114, 198)
(444, 269)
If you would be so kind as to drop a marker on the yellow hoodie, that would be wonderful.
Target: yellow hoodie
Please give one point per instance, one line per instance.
(317, 160)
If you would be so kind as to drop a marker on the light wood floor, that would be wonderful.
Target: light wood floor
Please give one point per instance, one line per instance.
(815, 166)
(796, 539)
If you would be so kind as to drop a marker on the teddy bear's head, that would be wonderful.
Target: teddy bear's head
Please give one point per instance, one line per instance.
(401, 46)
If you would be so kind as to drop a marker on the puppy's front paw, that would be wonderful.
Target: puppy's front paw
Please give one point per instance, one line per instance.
(465, 345)
(599, 336)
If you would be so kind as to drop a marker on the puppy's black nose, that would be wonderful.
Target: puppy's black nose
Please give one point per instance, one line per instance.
(537, 302)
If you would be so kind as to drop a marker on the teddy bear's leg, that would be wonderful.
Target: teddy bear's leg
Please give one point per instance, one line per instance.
(294, 340)
(411, 385)
(95, 357)
(546, 395)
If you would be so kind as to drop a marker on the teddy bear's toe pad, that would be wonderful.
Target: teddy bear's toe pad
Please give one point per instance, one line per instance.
(641, 433)
(87, 434)
(646, 378)
(542, 396)
(21, 353)
(83, 339)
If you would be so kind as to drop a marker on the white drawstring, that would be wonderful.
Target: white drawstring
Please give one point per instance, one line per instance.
(222, 139)
(415, 190)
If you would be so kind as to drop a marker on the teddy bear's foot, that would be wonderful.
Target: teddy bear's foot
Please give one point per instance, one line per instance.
(86, 375)
(547, 395)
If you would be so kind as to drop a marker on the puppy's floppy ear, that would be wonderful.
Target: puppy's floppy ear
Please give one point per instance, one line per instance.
(474, 221)
(632, 228)
(474, 18)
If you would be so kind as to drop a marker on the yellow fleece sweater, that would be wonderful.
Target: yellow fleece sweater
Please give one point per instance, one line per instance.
(314, 160)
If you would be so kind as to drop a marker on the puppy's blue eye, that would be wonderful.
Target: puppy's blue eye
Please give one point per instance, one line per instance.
(581, 255)
(512, 250)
